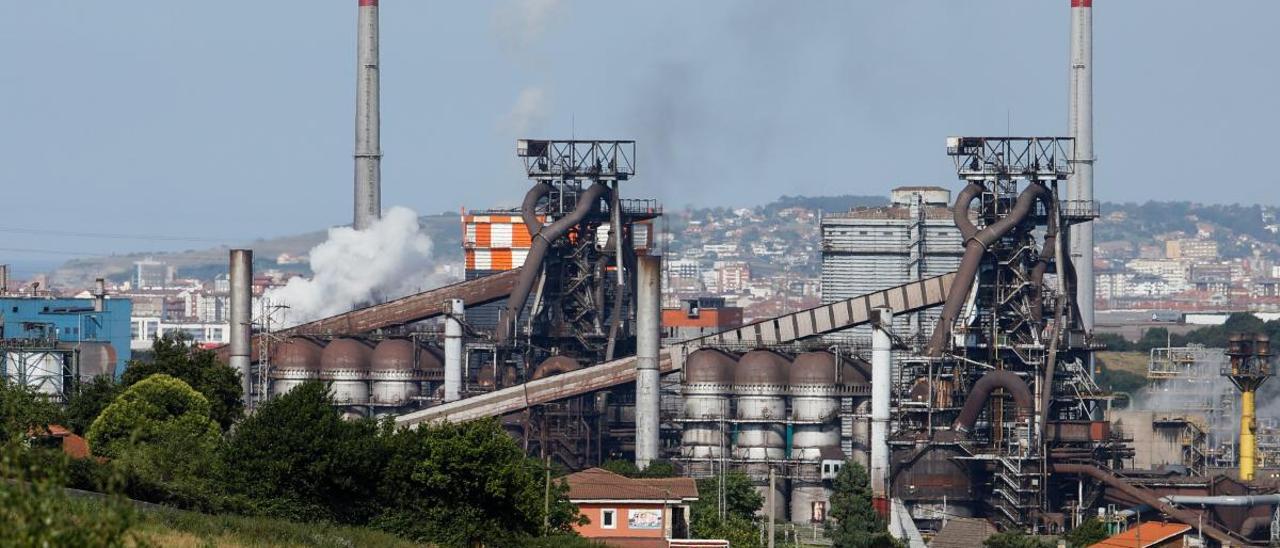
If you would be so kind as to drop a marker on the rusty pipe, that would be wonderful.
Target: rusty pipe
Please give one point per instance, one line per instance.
(588, 201)
(1146, 497)
(975, 249)
(528, 208)
(981, 392)
(961, 211)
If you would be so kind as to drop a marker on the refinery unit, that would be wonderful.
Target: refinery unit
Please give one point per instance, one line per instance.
(953, 358)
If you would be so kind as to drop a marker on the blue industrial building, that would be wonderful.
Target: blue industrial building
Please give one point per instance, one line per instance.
(72, 320)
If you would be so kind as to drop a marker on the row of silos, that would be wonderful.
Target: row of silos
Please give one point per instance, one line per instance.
(362, 374)
(740, 408)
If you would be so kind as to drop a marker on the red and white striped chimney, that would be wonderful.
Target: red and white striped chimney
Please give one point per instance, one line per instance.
(1080, 185)
(368, 156)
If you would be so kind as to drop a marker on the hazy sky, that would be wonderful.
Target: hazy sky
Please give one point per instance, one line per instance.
(229, 120)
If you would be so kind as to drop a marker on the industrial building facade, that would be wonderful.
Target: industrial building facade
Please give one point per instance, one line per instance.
(868, 249)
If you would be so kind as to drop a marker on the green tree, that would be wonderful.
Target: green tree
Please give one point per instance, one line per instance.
(36, 511)
(462, 484)
(88, 399)
(1088, 533)
(1016, 540)
(177, 356)
(157, 407)
(741, 503)
(296, 458)
(853, 520)
(162, 443)
(23, 412)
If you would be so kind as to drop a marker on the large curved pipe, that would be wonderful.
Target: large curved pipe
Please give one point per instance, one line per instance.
(961, 211)
(528, 208)
(974, 248)
(555, 365)
(588, 201)
(1147, 497)
(981, 392)
(1047, 252)
(1223, 500)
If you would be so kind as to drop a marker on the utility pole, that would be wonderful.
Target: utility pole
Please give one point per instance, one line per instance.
(546, 499)
(772, 507)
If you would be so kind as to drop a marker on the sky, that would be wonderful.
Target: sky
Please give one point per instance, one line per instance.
(168, 125)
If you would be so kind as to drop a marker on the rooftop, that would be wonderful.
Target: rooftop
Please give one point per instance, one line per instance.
(600, 484)
(1151, 533)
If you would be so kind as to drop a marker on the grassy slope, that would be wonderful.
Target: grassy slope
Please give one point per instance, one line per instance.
(178, 528)
(1132, 362)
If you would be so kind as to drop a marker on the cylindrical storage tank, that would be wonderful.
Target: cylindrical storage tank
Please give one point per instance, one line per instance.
(396, 380)
(708, 383)
(431, 368)
(97, 358)
(809, 500)
(779, 496)
(815, 409)
(345, 364)
(293, 362)
(760, 387)
(40, 371)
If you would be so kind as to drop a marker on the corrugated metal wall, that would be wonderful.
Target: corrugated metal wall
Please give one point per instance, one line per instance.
(864, 252)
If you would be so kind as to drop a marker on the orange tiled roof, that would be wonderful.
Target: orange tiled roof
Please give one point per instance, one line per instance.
(600, 484)
(1144, 535)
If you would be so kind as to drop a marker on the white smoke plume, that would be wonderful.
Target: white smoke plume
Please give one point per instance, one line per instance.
(521, 23)
(529, 112)
(353, 268)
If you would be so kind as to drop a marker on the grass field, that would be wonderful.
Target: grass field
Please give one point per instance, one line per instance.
(1131, 362)
(181, 529)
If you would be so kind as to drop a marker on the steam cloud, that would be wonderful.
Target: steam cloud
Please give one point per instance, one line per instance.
(529, 112)
(389, 259)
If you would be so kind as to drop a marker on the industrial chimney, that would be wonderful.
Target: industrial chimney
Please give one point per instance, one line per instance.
(368, 190)
(1080, 185)
(241, 269)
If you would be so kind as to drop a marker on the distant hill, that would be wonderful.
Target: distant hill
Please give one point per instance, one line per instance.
(1238, 229)
(445, 231)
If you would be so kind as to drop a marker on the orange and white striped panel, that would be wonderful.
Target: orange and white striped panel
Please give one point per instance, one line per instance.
(495, 232)
(495, 259)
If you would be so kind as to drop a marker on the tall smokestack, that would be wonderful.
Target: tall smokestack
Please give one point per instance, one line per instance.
(881, 375)
(1080, 185)
(368, 193)
(241, 302)
(453, 331)
(648, 339)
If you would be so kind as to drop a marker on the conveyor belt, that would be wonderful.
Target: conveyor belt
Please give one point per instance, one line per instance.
(405, 310)
(782, 329)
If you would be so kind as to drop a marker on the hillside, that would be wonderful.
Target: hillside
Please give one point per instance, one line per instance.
(445, 231)
(1125, 230)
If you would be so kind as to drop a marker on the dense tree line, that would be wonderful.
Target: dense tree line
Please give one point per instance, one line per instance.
(171, 432)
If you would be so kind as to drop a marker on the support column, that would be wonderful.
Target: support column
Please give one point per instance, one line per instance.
(881, 372)
(241, 270)
(648, 338)
(453, 350)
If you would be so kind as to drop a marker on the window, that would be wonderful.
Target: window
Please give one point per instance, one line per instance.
(609, 519)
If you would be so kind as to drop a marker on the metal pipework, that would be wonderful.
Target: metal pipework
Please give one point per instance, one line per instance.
(981, 392)
(368, 153)
(1223, 500)
(99, 295)
(648, 339)
(881, 373)
(1080, 184)
(241, 269)
(1248, 440)
(588, 201)
(975, 248)
(453, 350)
(528, 208)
